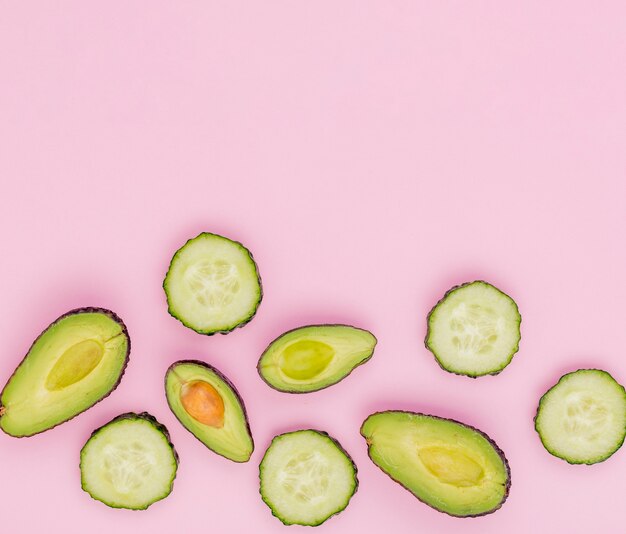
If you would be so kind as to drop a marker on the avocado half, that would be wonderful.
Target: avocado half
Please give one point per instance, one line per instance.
(314, 357)
(208, 405)
(450, 466)
(74, 363)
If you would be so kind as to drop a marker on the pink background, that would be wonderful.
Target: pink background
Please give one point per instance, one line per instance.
(371, 155)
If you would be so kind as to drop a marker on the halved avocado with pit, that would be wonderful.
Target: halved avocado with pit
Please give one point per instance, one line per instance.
(75, 363)
(447, 465)
(314, 357)
(208, 405)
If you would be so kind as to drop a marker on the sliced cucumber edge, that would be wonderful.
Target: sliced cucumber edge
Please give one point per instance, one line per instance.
(341, 449)
(431, 313)
(244, 321)
(597, 460)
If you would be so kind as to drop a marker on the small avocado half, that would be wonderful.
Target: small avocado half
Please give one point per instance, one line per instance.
(74, 363)
(208, 405)
(314, 357)
(450, 466)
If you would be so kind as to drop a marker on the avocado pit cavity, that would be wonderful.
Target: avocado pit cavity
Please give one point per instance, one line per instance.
(451, 466)
(75, 363)
(305, 359)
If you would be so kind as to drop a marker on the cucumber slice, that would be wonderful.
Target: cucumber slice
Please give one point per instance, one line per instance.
(129, 463)
(474, 330)
(213, 285)
(582, 419)
(306, 477)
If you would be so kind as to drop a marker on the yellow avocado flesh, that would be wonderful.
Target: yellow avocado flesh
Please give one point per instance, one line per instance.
(314, 357)
(447, 465)
(73, 364)
(207, 405)
(305, 359)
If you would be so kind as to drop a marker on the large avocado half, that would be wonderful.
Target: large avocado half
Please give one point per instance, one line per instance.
(208, 405)
(314, 357)
(73, 364)
(447, 465)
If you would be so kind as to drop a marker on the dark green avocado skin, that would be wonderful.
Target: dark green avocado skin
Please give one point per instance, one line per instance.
(491, 442)
(258, 366)
(446, 295)
(338, 445)
(134, 416)
(76, 311)
(552, 452)
(224, 379)
(258, 275)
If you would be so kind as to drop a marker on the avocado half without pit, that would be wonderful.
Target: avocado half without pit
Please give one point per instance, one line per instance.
(450, 466)
(314, 357)
(208, 405)
(74, 363)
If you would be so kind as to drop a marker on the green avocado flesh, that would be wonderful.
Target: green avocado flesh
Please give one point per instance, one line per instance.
(449, 466)
(213, 284)
(582, 419)
(77, 361)
(474, 330)
(129, 462)
(208, 405)
(314, 357)
(306, 477)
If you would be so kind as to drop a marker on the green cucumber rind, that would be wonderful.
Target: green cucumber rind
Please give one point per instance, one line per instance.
(145, 416)
(258, 367)
(591, 461)
(76, 311)
(491, 442)
(222, 377)
(240, 324)
(341, 449)
(432, 312)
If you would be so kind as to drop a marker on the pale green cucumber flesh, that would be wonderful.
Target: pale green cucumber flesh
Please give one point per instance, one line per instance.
(129, 462)
(582, 418)
(474, 330)
(306, 477)
(213, 284)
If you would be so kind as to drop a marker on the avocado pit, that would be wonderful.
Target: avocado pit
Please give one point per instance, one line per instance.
(202, 402)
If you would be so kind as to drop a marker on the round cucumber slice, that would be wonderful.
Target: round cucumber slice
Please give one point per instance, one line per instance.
(474, 330)
(129, 463)
(582, 419)
(306, 477)
(213, 285)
